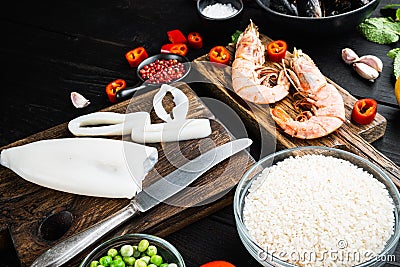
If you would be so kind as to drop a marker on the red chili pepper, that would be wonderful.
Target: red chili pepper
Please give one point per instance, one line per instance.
(364, 111)
(136, 56)
(277, 50)
(113, 87)
(176, 37)
(219, 54)
(195, 40)
(180, 49)
(218, 264)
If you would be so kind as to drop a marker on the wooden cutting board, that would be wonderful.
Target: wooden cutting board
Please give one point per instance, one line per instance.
(37, 218)
(351, 137)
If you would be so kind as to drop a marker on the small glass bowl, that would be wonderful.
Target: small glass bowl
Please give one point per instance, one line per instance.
(266, 259)
(167, 251)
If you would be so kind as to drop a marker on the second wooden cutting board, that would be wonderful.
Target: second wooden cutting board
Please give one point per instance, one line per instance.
(351, 137)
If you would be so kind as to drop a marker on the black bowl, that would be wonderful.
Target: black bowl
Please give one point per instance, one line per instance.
(151, 59)
(215, 25)
(329, 25)
(129, 91)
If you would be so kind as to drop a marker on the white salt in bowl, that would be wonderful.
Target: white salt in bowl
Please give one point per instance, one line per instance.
(285, 190)
(218, 11)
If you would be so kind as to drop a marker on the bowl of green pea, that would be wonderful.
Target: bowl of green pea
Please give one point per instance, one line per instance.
(134, 250)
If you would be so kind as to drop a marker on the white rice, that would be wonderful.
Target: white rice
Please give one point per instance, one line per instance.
(219, 10)
(319, 211)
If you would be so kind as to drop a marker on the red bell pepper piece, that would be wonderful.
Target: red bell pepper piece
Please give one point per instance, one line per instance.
(195, 40)
(364, 111)
(113, 87)
(176, 37)
(277, 50)
(219, 54)
(136, 56)
(180, 49)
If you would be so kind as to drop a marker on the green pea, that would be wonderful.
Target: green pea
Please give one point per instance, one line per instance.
(156, 259)
(112, 252)
(94, 264)
(146, 259)
(129, 260)
(136, 252)
(164, 265)
(172, 265)
(118, 257)
(143, 254)
(105, 261)
(140, 263)
(143, 245)
(117, 263)
(151, 250)
(126, 251)
(151, 265)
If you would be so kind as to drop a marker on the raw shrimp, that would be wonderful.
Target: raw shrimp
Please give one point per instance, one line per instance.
(322, 105)
(250, 79)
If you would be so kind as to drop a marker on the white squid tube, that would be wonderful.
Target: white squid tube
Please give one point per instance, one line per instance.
(85, 166)
(172, 131)
(111, 123)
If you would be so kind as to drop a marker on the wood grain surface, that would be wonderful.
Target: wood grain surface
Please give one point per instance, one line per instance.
(26, 207)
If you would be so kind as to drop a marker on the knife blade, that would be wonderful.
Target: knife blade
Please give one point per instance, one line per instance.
(159, 191)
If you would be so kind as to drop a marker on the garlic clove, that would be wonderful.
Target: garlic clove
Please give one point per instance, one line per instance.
(78, 100)
(366, 71)
(349, 56)
(372, 61)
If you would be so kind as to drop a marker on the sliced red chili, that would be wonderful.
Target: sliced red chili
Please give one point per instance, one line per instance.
(364, 111)
(218, 264)
(135, 56)
(277, 50)
(219, 54)
(113, 87)
(195, 40)
(180, 49)
(176, 37)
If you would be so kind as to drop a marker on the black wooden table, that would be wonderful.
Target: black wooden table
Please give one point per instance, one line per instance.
(50, 48)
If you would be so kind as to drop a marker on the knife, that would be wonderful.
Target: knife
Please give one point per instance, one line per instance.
(143, 201)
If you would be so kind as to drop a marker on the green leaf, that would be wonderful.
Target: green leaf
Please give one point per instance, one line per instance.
(393, 53)
(235, 36)
(398, 14)
(391, 6)
(380, 30)
(396, 66)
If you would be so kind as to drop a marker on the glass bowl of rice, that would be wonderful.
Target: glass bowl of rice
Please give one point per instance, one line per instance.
(317, 206)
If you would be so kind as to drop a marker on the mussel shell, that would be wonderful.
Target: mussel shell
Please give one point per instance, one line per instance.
(309, 8)
(283, 6)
